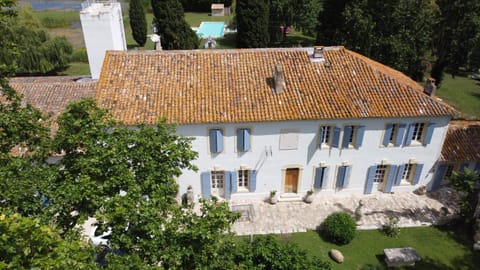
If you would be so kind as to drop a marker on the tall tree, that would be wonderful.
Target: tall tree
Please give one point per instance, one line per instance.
(252, 24)
(138, 22)
(174, 31)
(455, 33)
(396, 33)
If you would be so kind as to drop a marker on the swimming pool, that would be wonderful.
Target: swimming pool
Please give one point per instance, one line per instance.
(211, 29)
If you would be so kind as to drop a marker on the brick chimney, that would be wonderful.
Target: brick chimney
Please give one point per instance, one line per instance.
(430, 87)
(278, 78)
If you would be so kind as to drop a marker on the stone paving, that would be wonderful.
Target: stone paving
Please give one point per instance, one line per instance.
(259, 217)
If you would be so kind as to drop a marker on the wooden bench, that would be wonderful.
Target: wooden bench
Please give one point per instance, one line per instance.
(397, 257)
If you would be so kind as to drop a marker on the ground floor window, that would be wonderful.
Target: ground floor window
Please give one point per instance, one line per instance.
(218, 179)
(244, 179)
(380, 173)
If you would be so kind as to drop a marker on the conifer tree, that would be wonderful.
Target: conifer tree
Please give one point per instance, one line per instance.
(174, 31)
(252, 24)
(138, 22)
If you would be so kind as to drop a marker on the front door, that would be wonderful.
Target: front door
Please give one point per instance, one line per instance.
(291, 180)
(218, 183)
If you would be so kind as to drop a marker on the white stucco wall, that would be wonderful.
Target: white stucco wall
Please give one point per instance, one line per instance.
(265, 137)
(102, 26)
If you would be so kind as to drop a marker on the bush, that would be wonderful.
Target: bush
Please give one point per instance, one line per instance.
(50, 22)
(340, 228)
(391, 228)
(79, 55)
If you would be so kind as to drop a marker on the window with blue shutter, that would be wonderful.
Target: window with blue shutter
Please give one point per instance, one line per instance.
(216, 140)
(253, 181)
(320, 177)
(400, 134)
(243, 139)
(347, 136)
(342, 176)
(336, 136)
(429, 134)
(234, 181)
(398, 178)
(205, 181)
(370, 179)
(387, 135)
(390, 179)
(418, 173)
(228, 185)
(359, 137)
(408, 140)
(440, 173)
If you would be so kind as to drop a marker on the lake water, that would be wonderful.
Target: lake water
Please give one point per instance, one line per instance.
(53, 5)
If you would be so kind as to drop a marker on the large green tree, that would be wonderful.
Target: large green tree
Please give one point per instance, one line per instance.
(456, 31)
(138, 22)
(36, 52)
(396, 33)
(466, 183)
(174, 31)
(252, 23)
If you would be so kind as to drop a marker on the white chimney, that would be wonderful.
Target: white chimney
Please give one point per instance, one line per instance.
(430, 87)
(102, 26)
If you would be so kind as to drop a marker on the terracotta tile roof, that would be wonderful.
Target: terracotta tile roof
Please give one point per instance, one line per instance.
(220, 86)
(51, 96)
(45, 79)
(462, 142)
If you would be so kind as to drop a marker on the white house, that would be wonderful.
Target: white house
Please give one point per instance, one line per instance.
(289, 120)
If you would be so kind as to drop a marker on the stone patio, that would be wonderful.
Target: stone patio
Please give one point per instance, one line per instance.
(412, 210)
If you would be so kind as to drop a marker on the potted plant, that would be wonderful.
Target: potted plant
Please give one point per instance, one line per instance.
(309, 197)
(273, 197)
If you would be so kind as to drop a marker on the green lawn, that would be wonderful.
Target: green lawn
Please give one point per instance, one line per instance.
(463, 94)
(440, 249)
(77, 68)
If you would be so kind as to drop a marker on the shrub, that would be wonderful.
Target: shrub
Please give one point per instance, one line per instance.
(391, 228)
(79, 55)
(340, 228)
(50, 22)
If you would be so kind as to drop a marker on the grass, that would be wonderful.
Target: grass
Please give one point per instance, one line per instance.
(463, 94)
(439, 248)
(194, 19)
(77, 68)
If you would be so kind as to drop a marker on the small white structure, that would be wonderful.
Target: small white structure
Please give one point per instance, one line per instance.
(218, 10)
(102, 26)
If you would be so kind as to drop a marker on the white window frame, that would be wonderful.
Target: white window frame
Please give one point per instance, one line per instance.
(408, 173)
(327, 138)
(380, 173)
(418, 134)
(215, 177)
(243, 179)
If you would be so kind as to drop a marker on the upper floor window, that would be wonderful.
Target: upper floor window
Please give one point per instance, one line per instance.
(353, 136)
(216, 140)
(419, 133)
(243, 139)
(325, 135)
(393, 134)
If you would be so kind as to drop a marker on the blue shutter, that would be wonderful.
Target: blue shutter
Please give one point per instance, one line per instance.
(359, 139)
(336, 136)
(219, 138)
(324, 180)
(213, 141)
(370, 177)
(388, 133)
(234, 181)
(400, 133)
(346, 136)
(390, 179)
(400, 170)
(240, 140)
(205, 181)
(347, 174)
(462, 168)
(428, 136)
(418, 172)
(253, 181)
(437, 180)
(340, 176)
(246, 139)
(318, 178)
(228, 185)
(411, 128)
(477, 167)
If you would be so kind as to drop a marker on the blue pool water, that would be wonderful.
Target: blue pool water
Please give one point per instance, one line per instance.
(211, 29)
